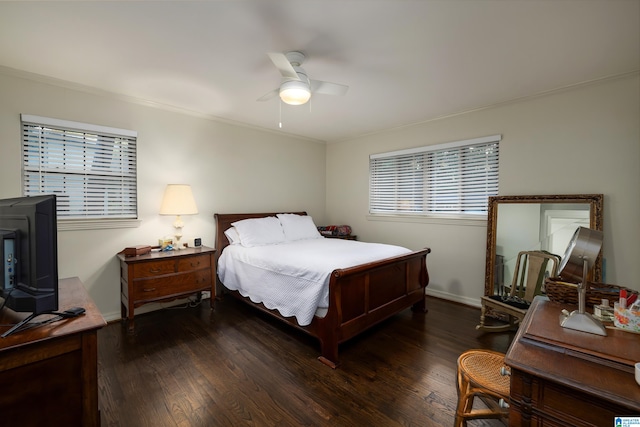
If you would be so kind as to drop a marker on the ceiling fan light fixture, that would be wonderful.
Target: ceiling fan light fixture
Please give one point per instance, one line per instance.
(295, 92)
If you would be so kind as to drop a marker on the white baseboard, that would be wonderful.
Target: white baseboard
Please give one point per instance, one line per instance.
(110, 317)
(114, 316)
(474, 302)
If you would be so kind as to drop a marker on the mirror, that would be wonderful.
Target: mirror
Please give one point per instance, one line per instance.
(519, 223)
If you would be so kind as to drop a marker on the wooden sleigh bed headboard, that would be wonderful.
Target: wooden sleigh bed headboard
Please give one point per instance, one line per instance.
(359, 296)
(224, 221)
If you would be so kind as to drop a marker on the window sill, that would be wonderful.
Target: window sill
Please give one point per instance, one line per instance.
(96, 224)
(424, 219)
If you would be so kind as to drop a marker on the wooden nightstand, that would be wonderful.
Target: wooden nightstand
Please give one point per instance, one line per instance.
(165, 276)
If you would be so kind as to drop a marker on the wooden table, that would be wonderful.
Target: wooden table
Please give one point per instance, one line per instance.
(164, 276)
(563, 377)
(49, 373)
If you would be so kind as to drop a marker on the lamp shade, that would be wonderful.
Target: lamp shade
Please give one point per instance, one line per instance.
(295, 92)
(178, 200)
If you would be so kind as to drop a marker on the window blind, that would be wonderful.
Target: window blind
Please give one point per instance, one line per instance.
(449, 179)
(91, 169)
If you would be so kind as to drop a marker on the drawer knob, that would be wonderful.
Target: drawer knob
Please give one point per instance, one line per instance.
(154, 270)
(149, 289)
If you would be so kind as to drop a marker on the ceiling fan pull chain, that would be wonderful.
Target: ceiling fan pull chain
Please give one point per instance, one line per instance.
(280, 117)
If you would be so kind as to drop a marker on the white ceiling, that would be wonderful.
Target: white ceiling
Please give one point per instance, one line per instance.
(405, 61)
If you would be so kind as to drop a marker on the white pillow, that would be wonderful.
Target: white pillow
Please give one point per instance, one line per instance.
(259, 231)
(232, 236)
(298, 227)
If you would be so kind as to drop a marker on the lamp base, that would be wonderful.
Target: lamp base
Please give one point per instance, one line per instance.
(583, 322)
(178, 224)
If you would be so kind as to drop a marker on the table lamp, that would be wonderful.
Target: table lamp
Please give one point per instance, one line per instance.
(178, 200)
(581, 254)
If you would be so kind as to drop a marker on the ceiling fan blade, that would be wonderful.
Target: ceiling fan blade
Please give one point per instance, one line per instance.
(269, 95)
(327, 88)
(283, 65)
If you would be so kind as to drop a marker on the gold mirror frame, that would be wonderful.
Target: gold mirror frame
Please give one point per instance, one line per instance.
(595, 222)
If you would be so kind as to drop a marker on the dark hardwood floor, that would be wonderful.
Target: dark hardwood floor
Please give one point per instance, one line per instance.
(237, 367)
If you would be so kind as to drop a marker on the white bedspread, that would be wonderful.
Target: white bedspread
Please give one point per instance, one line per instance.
(293, 277)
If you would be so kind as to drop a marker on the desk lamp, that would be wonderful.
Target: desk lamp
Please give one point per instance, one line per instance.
(178, 200)
(581, 254)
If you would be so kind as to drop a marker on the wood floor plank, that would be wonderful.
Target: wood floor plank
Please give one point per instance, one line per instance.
(235, 366)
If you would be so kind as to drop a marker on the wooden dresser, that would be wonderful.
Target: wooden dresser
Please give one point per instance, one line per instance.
(49, 373)
(562, 377)
(164, 276)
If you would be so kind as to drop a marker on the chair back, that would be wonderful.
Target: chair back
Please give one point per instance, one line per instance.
(530, 270)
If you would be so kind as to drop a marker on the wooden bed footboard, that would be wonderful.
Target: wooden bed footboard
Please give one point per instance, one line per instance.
(359, 297)
(362, 296)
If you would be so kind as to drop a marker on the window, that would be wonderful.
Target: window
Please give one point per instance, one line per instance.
(91, 169)
(448, 179)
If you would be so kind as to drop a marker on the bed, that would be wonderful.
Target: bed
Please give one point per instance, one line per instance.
(359, 296)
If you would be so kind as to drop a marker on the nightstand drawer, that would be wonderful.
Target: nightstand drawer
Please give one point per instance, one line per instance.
(153, 268)
(194, 263)
(161, 287)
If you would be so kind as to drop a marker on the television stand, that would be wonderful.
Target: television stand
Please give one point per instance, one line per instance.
(52, 366)
(20, 324)
(72, 312)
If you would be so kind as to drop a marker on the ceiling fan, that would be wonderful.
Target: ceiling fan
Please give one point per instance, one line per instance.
(296, 87)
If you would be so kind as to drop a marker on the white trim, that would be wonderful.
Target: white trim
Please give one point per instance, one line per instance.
(144, 102)
(444, 146)
(96, 224)
(509, 101)
(79, 207)
(480, 221)
(67, 124)
(13, 72)
(469, 301)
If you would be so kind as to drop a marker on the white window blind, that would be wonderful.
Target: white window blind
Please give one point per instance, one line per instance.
(91, 169)
(448, 179)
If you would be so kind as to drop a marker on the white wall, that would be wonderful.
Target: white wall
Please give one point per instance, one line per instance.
(583, 140)
(576, 141)
(230, 168)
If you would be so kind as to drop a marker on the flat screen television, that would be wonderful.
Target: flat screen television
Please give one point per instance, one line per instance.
(29, 246)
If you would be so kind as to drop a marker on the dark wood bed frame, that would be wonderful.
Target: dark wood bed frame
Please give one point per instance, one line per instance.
(359, 297)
